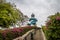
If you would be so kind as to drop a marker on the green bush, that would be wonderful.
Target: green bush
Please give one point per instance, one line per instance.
(1, 37)
(11, 34)
(53, 26)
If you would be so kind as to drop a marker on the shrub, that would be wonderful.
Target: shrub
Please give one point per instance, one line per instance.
(10, 34)
(53, 25)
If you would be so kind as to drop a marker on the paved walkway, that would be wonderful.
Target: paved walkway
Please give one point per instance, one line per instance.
(39, 35)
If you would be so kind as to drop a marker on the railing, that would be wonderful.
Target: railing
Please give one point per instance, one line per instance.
(28, 36)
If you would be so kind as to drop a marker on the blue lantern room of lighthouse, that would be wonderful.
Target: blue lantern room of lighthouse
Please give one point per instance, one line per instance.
(32, 20)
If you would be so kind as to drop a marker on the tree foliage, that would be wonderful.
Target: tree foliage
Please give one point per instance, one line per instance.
(9, 14)
(53, 25)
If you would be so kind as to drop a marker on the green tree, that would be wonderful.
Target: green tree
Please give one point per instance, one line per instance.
(9, 14)
(53, 25)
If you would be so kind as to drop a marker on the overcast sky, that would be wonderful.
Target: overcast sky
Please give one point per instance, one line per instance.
(41, 8)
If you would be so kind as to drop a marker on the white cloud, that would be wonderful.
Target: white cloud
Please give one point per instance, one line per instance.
(41, 8)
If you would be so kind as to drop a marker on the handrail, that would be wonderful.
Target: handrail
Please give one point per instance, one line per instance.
(24, 37)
